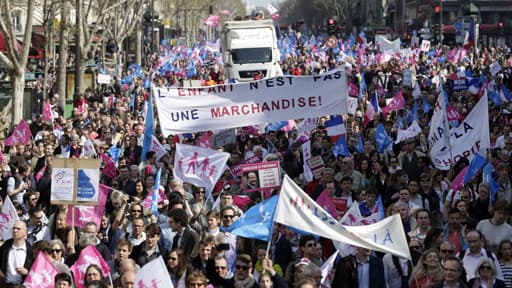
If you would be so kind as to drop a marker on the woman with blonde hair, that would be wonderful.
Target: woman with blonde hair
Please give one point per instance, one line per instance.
(428, 271)
(485, 275)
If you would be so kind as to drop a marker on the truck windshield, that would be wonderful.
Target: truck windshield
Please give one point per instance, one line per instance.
(251, 55)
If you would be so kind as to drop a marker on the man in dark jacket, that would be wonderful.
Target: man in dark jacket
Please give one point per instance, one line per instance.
(360, 270)
(14, 252)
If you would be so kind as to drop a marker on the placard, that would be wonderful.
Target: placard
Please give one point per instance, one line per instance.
(260, 176)
(316, 164)
(104, 79)
(75, 182)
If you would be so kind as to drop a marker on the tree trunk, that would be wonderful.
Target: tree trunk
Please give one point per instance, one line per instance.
(63, 55)
(78, 52)
(139, 44)
(18, 86)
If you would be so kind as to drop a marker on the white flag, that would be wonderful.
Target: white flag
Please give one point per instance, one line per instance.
(410, 132)
(438, 136)
(8, 218)
(296, 209)
(327, 271)
(199, 166)
(154, 274)
(158, 148)
(88, 149)
(469, 138)
(271, 9)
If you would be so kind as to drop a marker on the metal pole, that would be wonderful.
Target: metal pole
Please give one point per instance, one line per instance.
(152, 26)
(441, 24)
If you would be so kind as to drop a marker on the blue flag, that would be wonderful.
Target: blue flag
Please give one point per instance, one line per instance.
(487, 178)
(505, 92)
(400, 122)
(476, 164)
(382, 138)
(275, 126)
(362, 86)
(156, 193)
(425, 105)
(340, 147)
(495, 98)
(148, 130)
(147, 83)
(360, 146)
(114, 153)
(257, 221)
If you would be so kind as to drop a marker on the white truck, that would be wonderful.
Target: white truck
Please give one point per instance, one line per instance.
(248, 48)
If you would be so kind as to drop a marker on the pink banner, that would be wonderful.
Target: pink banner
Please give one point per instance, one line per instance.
(353, 90)
(88, 256)
(84, 214)
(21, 134)
(397, 103)
(42, 273)
(241, 201)
(109, 168)
(237, 169)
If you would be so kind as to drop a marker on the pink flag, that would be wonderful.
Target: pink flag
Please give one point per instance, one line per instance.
(327, 203)
(40, 173)
(21, 134)
(453, 114)
(42, 273)
(353, 90)
(288, 127)
(241, 201)
(47, 111)
(205, 141)
(84, 214)
(109, 168)
(88, 256)
(397, 103)
(459, 179)
(146, 203)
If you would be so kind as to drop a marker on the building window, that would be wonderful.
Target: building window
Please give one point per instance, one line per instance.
(16, 20)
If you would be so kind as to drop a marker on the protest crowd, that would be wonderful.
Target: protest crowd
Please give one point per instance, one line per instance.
(373, 162)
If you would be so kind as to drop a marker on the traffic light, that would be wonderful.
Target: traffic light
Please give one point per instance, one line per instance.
(500, 28)
(331, 26)
(437, 9)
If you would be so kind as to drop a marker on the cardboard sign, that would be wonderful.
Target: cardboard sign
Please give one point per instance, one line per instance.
(316, 164)
(425, 45)
(407, 77)
(495, 68)
(260, 176)
(75, 181)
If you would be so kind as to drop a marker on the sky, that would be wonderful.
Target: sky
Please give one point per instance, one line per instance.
(261, 3)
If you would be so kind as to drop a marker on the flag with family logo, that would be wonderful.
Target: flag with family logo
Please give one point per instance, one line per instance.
(396, 103)
(42, 273)
(47, 111)
(327, 275)
(199, 166)
(256, 222)
(21, 134)
(89, 255)
(383, 140)
(84, 214)
(474, 166)
(8, 217)
(340, 147)
(487, 178)
(296, 209)
(153, 274)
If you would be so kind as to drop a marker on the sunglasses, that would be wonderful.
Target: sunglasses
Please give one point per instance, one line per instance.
(447, 251)
(311, 245)
(56, 250)
(415, 247)
(229, 216)
(486, 267)
(136, 211)
(242, 267)
(220, 267)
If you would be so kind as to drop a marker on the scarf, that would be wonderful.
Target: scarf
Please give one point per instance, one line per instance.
(246, 283)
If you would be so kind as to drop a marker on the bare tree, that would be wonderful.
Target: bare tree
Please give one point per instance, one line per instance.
(63, 52)
(15, 60)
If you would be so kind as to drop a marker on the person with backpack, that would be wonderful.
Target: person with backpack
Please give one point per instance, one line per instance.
(472, 256)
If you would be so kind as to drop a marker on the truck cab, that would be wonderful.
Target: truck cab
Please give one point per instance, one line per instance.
(250, 48)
